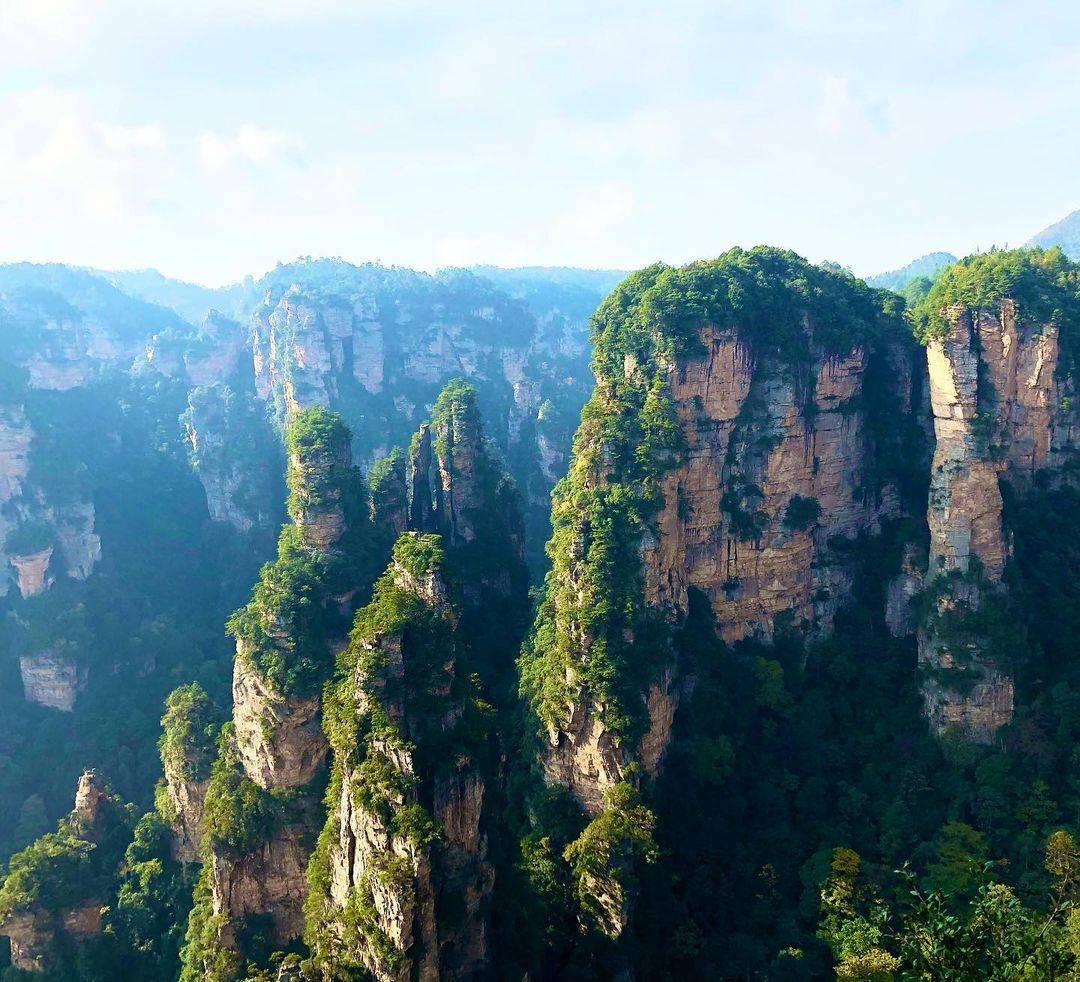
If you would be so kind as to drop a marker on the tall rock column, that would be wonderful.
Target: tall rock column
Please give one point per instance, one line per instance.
(262, 804)
(734, 438)
(1001, 397)
(401, 876)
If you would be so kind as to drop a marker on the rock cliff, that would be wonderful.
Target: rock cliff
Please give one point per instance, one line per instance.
(1001, 393)
(265, 781)
(748, 425)
(190, 729)
(52, 678)
(234, 453)
(402, 879)
(52, 898)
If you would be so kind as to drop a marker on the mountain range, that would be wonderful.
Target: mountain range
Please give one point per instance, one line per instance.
(541, 623)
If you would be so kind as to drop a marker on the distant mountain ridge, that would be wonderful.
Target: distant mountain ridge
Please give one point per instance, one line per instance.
(929, 265)
(1065, 233)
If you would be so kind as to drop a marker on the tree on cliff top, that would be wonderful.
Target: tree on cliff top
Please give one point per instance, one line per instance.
(1044, 284)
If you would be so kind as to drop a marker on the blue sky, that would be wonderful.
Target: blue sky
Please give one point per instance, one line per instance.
(213, 139)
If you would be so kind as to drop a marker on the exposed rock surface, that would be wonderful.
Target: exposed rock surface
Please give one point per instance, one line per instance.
(187, 801)
(277, 739)
(764, 442)
(280, 739)
(998, 415)
(232, 450)
(42, 933)
(32, 571)
(268, 880)
(51, 679)
(426, 897)
(36, 933)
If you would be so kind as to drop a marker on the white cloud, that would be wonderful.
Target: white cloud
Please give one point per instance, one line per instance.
(57, 162)
(250, 144)
(35, 31)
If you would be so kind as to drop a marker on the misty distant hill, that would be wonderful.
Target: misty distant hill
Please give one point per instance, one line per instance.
(929, 266)
(1065, 233)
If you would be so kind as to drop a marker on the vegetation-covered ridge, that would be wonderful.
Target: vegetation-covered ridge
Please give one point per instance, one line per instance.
(1043, 283)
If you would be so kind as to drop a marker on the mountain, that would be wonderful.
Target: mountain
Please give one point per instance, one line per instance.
(1065, 233)
(190, 300)
(141, 468)
(806, 618)
(925, 266)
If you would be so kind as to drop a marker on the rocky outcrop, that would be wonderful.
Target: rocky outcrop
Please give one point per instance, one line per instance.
(379, 344)
(35, 934)
(51, 678)
(405, 867)
(741, 437)
(15, 437)
(279, 738)
(268, 880)
(186, 807)
(285, 640)
(44, 931)
(78, 544)
(999, 415)
(458, 489)
(32, 571)
(234, 454)
(778, 463)
(902, 591)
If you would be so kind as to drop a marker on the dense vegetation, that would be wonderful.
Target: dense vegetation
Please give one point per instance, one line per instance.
(1043, 283)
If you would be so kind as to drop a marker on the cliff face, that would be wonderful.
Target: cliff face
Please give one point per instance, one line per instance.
(456, 488)
(51, 678)
(1002, 413)
(736, 447)
(778, 462)
(280, 739)
(234, 454)
(378, 345)
(402, 863)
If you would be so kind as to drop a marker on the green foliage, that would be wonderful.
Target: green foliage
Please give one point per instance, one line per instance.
(1043, 283)
(190, 728)
(205, 956)
(49, 873)
(146, 921)
(942, 934)
(239, 815)
(320, 472)
(72, 866)
(29, 537)
(419, 555)
(801, 513)
(602, 858)
(283, 630)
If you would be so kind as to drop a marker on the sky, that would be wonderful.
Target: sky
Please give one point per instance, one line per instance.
(214, 138)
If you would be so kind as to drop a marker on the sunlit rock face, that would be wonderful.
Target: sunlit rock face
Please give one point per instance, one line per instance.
(778, 463)
(1001, 412)
(428, 899)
